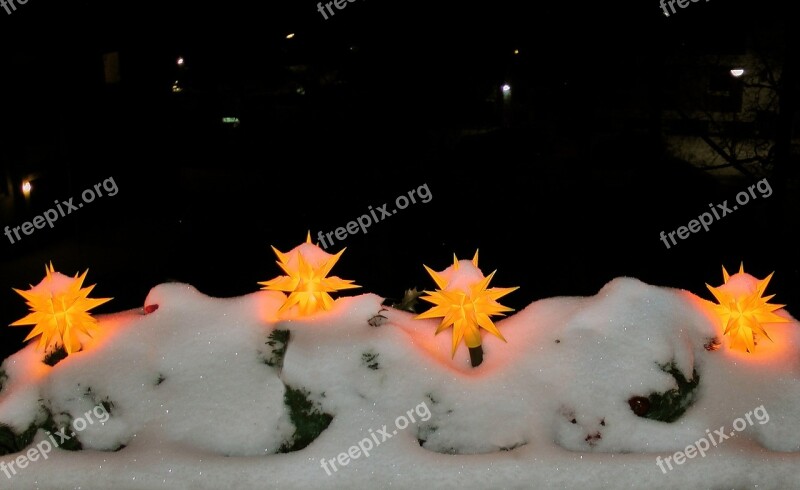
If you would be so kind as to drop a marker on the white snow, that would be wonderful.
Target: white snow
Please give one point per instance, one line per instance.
(195, 405)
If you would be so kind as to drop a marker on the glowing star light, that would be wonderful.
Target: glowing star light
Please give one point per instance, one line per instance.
(307, 266)
(464, 302)
(743, 309)
(60, 310)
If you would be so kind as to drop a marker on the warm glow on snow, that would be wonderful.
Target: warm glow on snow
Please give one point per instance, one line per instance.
(60, 308)
(307, 266)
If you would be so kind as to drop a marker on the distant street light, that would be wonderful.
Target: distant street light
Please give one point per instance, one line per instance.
(506, 90)
(26, 188)
(290, 36)
(180, 61)
(737, 72)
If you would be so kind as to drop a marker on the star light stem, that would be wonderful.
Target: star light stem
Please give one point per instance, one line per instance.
(465, 303)
(476, 356)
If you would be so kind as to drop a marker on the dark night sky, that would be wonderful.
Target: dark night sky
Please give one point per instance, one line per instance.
(202, 206)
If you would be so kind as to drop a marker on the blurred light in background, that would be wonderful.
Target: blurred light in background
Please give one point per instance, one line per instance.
(231, 120)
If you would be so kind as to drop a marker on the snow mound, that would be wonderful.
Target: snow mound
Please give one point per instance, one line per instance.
(197, 392)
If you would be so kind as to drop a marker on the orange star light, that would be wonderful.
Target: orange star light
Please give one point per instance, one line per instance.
(60, 310)
(307, 266)
(464, 302)
(743, 309)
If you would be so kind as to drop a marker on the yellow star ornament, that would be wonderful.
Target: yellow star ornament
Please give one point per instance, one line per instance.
(307, 267)
(60, 310)
(464, 302)
(743, 309)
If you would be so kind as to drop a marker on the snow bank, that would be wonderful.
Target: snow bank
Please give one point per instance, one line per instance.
(195, 400)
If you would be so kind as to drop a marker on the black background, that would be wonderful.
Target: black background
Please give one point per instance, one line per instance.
(555, 208)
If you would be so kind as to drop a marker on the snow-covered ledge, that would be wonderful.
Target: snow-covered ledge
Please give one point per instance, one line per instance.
(194, 401)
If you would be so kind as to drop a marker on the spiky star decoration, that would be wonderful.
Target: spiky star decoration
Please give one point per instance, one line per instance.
(60, 310)
(743, 309)
(464, 302)
(307, 266)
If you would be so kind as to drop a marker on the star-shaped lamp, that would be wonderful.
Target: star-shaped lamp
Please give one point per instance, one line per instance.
(743, 309)
(465, 302)
(307, 267)
(60, 310)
